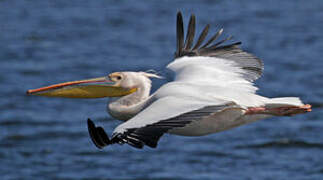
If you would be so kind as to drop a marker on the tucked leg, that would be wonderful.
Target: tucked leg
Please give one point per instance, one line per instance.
(280, 111)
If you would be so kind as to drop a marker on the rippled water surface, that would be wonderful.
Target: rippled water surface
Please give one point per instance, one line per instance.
(44, 42)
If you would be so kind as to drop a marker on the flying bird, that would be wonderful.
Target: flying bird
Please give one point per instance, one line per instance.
(212, 91)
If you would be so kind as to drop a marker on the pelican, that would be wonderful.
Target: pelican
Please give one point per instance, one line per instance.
(212, 91)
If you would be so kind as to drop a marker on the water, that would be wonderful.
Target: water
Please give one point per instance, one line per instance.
(46, 42)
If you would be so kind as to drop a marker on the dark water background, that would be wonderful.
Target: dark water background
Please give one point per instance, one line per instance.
(45, 42)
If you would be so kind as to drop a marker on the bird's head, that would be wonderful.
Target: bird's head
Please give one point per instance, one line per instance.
(116, 84)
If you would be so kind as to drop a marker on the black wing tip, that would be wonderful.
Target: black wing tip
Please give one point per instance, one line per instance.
(179, 15)
(90, 123)
(190, 33)
(238, 43)
(97, 134)
(93, 134)
(100, 138)
(193, 18)
(201, 37)
(179, 34)
(185, 49)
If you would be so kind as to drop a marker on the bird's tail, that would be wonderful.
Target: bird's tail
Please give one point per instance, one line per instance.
(284, 101)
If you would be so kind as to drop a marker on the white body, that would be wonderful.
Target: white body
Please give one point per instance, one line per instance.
(220, 83)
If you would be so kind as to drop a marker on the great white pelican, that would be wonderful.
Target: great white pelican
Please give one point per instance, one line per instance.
(212, 91)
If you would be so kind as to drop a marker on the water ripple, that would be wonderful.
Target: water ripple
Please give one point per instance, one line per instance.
(44, 135)
(284, 143)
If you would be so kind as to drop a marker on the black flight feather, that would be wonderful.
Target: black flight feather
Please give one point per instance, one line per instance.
(190, 33)
(94, 135)
(251, 65)
(179, 33)
(201, 37)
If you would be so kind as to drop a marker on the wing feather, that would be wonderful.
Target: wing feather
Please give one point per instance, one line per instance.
(211, 71)
(252, 66)
(150, 133)
(201, 37)
(190, 33)
(179, 33)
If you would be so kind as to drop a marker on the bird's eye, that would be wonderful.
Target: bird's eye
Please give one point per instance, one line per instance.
(118, 77)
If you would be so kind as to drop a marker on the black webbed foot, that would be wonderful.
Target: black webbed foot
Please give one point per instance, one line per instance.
(98, 135)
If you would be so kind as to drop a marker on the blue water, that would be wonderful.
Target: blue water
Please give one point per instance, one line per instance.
(45, 42)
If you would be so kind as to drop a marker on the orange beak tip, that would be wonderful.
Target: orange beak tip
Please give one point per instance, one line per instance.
(28, 92)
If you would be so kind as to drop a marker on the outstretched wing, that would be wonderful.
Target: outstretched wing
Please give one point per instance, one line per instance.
(163, 115)
(227, 58)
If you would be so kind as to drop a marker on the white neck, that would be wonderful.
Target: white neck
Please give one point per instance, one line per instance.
(124, 108)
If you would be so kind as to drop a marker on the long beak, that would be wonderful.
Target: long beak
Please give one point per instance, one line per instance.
(89, 88)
